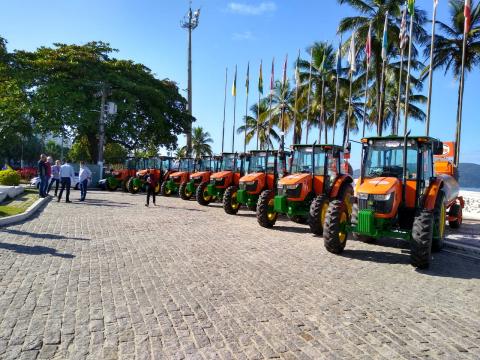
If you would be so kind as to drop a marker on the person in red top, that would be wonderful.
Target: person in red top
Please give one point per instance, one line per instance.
(151, 184)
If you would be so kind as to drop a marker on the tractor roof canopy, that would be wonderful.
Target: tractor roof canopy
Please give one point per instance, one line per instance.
(435, 144)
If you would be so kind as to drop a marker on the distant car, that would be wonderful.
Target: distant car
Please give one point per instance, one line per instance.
(35, 182)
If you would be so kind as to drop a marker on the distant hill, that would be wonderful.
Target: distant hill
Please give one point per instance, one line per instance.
(469, 175)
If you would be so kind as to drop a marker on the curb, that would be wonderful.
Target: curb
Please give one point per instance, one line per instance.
(32, 209)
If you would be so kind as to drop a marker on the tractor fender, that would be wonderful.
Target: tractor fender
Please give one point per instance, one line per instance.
(340, 182)
(432, 193)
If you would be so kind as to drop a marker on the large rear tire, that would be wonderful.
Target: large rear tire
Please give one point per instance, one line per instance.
(112, 185)
(203, 198)
(421, 246)
(439, 221)
(230, 203)
(356, 236)
(125, 184)
(183, 192)
(266, 216)
(457, 212)
(132, 188)
(334, 233)
(318, 211)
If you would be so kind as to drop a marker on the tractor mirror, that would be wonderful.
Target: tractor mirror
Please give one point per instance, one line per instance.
(437, 148)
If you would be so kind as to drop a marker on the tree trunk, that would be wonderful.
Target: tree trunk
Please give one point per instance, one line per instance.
(93, 146)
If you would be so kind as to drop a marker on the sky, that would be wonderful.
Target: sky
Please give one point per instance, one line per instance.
(229, 33)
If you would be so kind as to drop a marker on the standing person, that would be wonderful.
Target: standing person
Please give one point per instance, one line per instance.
(66, 176)
(55, 177)
(42, 174)
(84, 176)
(151, 184)
(48, 166)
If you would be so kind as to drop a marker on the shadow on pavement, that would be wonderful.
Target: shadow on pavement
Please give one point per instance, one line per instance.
(178, 208)
(34, 250)
(39, 235)
(293, 229)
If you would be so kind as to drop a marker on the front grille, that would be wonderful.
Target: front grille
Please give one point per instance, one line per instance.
(197, 180)
(290, 193)
(220, 182)
(380, 207)
(248, 187)
(176, 179)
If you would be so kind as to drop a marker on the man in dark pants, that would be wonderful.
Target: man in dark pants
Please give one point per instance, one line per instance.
(42, 174)
(66, 176)
(151, 184)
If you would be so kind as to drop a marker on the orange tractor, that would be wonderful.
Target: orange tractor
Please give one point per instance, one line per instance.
(118, 176)
(181, 170)
(232, 168)
(399, 195)
(160, 168)
(316, 179)
(204, 168)
(262, 174)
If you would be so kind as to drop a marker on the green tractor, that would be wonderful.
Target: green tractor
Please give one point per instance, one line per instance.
(118, 177)
(181, 170)
(159, 167)
(204, 168)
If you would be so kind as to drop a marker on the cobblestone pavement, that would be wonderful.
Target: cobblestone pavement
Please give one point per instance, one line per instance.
(111, 279)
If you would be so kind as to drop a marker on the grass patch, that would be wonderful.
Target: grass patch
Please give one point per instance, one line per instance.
(19, 204)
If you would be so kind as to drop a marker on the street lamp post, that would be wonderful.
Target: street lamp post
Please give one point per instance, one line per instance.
(190, 22)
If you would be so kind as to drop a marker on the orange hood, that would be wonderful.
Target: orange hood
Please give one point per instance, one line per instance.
(294, 179)
(378, 186)
(199, 174)
(178, 173)
(252, 177)
(221, 174)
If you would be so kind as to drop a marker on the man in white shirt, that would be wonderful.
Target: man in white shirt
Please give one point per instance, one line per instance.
(66, 176)
(84, 176)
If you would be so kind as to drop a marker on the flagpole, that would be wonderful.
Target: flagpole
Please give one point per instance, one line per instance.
(458, 131)
(382, 83)
(322, 114)
(234, 109)
(407, 86)
(272, 80)
(258, 106)
(430, 76)
(297, 80)
(366, 99)
(339, 58)
(246, 110)
(308, 95)
(353, 66)
(282, 109)
(397, 115)
(224, 108)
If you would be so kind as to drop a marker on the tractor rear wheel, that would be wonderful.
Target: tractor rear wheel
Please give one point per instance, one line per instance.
(157, 188)
(164, 190)
(455, 211)
(203, 198)
(125, 184)
(230, 203)
(439, 220)
(266, 216)
(112, 184)
(334, 231)
(422, 234)
(356, 236)
(318, 210)
(183, 192)
(132, 188)
(298, 219)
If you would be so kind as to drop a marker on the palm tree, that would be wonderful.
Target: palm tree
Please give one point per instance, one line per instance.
(374, 11)
(266, 133)
(283, 111)
(201, 141)
(448, 45)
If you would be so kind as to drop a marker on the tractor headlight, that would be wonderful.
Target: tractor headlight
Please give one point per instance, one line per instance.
(383, 197)
(363, 196)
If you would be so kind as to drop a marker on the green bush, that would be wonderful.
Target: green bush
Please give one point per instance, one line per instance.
(9, 178)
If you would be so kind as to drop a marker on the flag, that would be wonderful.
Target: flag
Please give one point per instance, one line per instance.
(260, 80)
(403, 29)
(234, 86)
(368, 45)
(297, 73)
(385, 39)
(247, 82)
(352, 54)
(411, 7)
(272, 77)
(467, 12)
(284, 81)
(339, 58)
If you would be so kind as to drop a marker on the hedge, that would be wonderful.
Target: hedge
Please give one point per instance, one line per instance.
(9, 177)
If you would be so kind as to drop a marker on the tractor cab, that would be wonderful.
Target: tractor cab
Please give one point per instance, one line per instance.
(181, 170)
(316, 175)
(398, 195)
(232, 168)
(205, 166)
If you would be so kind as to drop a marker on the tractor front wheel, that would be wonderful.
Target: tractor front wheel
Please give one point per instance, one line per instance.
(157, 188)
(422, 234)
(456, 212)
(439, 219)
(124, 184)
(183, 192)
(266, 215)
(164, 190)
(230, 203)
(356, 236)
(318, 210)
(203, 198)
(112, 184)
(334, 229)
(132, 187)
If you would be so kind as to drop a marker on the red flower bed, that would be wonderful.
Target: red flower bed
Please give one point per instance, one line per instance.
(27, 173)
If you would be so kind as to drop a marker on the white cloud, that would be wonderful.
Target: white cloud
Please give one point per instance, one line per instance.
(247, 9)
(246, 35)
